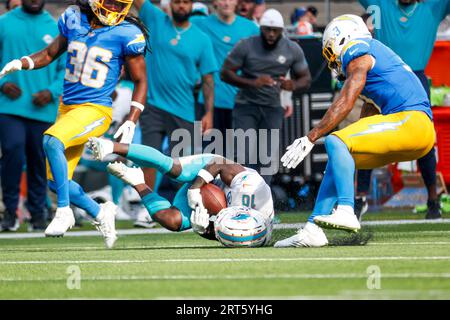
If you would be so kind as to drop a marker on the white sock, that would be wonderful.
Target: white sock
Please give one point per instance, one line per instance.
(311, 226)
(345, 208)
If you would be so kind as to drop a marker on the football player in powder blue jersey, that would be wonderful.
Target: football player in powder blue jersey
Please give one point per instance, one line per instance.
(99, 38)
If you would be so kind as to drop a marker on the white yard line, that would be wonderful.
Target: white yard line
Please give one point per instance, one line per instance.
(370, 223)
(124, 232)
(57, 248)
(224, 260)
(344, 294)
(234, 277)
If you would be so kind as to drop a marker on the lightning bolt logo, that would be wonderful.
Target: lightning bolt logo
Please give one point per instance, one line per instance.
(140, 38)
(90, 127)
(380, 127)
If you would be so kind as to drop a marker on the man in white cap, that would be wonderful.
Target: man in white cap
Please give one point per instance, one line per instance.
(263, 62)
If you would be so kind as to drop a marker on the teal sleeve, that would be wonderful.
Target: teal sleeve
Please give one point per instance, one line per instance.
(2, 82)
(153, 202)
(208, 63)
(149, 157)
(150, 12)
(57, 86)
(367, 3)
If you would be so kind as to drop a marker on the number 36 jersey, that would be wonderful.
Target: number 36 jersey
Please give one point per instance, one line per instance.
(95, 57)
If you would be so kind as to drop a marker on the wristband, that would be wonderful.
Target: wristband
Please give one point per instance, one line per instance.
(138, 105)
(30, 62)
(205, 175)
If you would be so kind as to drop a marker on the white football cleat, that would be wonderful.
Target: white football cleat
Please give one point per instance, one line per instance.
(122, 215)
(310, 236)
(340, 218)
(132, 176)
(101, 148)
(143, 219)
(105, 222)
(63, 221)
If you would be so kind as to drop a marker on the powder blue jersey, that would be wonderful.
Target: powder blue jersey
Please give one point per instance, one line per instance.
(95, 57)
(390, 84)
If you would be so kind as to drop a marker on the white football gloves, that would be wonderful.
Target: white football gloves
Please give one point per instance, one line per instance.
(296, 152)
(194, 198)
(199, 216)
(126, 130)
(15, 65)
(199, 220)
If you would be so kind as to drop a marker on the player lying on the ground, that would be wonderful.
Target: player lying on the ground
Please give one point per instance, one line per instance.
(403, 131)
(242, 186)
(99, 37)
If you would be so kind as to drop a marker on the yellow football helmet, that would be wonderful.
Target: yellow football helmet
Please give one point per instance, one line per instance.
(107, 16)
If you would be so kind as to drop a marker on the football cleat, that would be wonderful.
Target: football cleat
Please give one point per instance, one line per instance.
(122, 215)
(143, 219)
(63, 221)
(101, 148)
(341, 219)
(132, 176)
(310, 236)
(105, 222)
(361, 206)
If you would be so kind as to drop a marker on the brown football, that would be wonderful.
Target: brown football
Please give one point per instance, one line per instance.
(213, 198)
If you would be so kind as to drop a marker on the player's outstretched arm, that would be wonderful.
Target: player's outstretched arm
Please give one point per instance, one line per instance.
(357, 73)
(353, 86)
(137, 69)
(38, 60)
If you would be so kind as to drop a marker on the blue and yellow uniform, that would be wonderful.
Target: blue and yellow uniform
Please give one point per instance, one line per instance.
(94, 61)
(404, 130)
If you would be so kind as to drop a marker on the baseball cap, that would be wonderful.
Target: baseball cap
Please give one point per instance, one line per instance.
(272, 18)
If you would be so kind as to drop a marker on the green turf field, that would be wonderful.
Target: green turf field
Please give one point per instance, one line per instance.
(413, 260)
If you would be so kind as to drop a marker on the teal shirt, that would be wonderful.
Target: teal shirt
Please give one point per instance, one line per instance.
(411, 38)
(23, 34)
(224, 37)
(174, 65)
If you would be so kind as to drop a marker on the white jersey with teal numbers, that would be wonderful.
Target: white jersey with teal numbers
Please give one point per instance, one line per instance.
(249, 189)
(391, 85)
(95, 57)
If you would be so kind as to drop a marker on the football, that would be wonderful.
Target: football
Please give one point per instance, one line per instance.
(213, 198)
